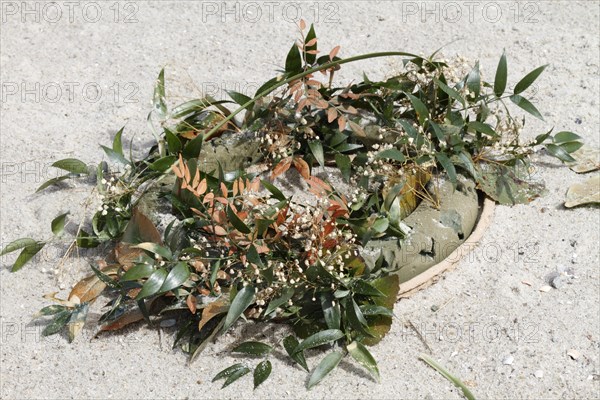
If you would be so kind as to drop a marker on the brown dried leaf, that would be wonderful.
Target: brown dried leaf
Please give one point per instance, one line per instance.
(191, 303)
(302, 167)
(215, 308)
(281, 168)
(86, 290)
(124, 320)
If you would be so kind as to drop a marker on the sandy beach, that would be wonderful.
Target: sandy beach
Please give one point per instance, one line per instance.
(73, 73)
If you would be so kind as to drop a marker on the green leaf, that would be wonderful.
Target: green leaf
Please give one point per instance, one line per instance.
(293, 61)
(156, 249)
(310, 58)
(235, 376)
(344, 164)
(331, 311)
(239, 98)
(173, 142)
(566, 136)
(528, 79)
(53, 181)
(466, 392)
(448, 167)
(160, 106)
(371, 309)
(193, 147)
(240, 303)
(86, 241)
(392, 154)
(153, 284)
(526, 105)
(482, 127)
(319, 339)
(262, 372)
(163, 164)
(253, 348)
(317, 150)
(273, 190)
(58, 224)
(266, 87)
(449, 91)
(559, 152)
(114, 156)
(236, 221)
(117, 143)
(360, 353)
(26, 254)
(290, 343)
(326, 365)
(286, 294)
(253, 256)
(177, 276)
(17, 245)
(380, 225)
(227, 372)
(107, 280)
(420, 108)
(366, 289)
(138, 271)
(196, 105)
(571, 147)
(501, 76)
(474, 80)
(59, 322)
(72, 165)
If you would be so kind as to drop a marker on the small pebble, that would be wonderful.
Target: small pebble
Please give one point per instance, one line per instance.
(434, 308)
(539, 373)
(574, 354)
(508, 360)
(545, 289)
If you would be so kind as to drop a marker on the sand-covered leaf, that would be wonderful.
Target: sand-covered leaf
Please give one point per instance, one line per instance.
(262, 372)
(587, 192)
(508, 185)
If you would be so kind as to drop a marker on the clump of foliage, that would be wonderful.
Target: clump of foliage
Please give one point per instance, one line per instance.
(238, 247)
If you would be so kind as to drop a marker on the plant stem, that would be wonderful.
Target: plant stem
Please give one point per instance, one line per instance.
(325, 66)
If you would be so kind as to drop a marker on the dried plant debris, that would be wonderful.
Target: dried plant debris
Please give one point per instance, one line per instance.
(587, 159)
(200, 235)
(587, 192)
